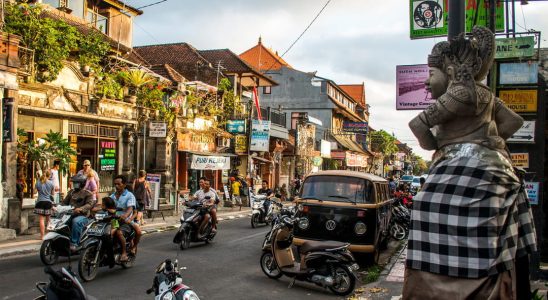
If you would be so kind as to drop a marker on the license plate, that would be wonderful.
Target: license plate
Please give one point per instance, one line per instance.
(97, 230)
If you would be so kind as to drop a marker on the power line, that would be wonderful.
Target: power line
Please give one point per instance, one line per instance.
(523, 15)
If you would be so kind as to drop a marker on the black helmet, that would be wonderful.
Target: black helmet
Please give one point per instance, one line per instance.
(78, 181)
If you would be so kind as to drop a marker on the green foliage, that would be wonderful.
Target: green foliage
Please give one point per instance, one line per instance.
(372, 274)
(135, 78)
(153, 96)
(109, 87)
(385, 141)
(52, 147)
(92, 49)
(536, 295)
(419, 165)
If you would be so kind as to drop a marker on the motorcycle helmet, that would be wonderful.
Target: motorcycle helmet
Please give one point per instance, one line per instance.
(78, 181)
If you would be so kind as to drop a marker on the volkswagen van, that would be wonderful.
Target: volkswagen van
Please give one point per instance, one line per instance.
(345, 206)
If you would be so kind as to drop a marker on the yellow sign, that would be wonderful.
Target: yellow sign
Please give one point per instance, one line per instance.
(520, 100)
(240, 142)
(520, 160)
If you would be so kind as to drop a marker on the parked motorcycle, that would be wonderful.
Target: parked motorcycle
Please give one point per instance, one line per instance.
(57, 241)
(284, 211)
(168, 283)
(400, 221)
(99, 249)
(62, 285)
(191, 220)
(326, 263)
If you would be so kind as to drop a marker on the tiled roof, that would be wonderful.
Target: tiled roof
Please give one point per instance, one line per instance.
(356, 91)
(135, 58)
(263, 59)
(168, 72)
(183, 58)
(230, 62)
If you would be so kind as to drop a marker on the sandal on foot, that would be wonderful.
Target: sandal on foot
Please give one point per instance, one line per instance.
(124, 258)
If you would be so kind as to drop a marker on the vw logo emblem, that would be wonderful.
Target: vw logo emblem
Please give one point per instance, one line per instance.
(330, 225)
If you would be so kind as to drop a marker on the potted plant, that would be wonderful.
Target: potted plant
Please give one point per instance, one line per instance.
(134, 79)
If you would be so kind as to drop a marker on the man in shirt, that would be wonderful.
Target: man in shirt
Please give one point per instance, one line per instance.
(125, 201)
(82, 201)
(235, 186)
(208, 197)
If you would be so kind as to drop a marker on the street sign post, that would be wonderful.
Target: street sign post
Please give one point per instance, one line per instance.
(525, 135)
(516, 47)
(520, 100)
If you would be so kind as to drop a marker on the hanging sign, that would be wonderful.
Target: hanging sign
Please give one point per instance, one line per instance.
(357, 127)
(515, 47)
(107, 156)
(526, 134)
(201, 162)
(317, 161)
(8, 134)
(520, 160)
(158, 129)
(411, 92)
(520, 100)
(260, 135)
(240, 144)
(518, 73)
(325, 148)
(532, 192)
(429, 18)
(235, 126)
(154, 184)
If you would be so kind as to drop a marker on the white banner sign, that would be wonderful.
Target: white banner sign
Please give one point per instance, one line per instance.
(260, 135)
(158, 129)
(325, 150)
(200, 162)
(154, 184)
(526, 134)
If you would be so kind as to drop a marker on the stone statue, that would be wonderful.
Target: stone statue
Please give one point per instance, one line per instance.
(471, 222)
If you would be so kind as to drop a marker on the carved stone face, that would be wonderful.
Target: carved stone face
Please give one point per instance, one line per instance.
(437, 82)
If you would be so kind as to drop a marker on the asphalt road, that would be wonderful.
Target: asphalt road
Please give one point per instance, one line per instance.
(226, 269)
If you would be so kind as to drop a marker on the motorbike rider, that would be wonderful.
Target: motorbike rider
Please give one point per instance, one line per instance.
(82, 201)
(208, 197)
(125, 201)
(265, 190)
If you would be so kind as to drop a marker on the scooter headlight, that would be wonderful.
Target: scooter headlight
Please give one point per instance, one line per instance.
(304, 223)
(167, 296)
(360, 228)
(190, 295)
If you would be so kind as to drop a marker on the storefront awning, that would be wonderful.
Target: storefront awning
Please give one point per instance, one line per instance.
(262, 159)
(348, 144)
(212, 153)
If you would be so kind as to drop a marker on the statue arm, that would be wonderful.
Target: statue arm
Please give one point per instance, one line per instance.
(508, 122)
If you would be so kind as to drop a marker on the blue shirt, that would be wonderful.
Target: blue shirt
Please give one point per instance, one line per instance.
(126, 200)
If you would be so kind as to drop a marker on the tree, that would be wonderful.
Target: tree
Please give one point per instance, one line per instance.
(42, 151)
(383, 142)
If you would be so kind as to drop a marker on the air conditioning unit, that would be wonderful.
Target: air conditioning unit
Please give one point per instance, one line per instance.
(223, 142)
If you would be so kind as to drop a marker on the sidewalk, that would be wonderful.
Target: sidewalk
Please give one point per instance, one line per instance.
(25, 244)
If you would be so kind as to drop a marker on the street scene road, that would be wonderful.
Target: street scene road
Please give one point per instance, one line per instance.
(227, 268)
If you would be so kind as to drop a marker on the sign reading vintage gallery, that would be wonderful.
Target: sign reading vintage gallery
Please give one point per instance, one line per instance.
(526, 134)
(515, 47)
(202, 162)
(520, 100)
(357, 127)
(158, 129)
(520, 160)
(260, 135)
(235, 126)
(107, 156)
(519, 73)
(411, 92)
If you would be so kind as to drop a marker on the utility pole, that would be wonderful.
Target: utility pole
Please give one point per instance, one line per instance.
(456, 18)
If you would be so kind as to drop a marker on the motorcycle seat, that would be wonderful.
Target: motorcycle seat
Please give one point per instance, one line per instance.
(310, 246)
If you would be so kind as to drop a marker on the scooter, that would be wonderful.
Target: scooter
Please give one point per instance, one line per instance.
(191, 220)
(328, 264)
(62, 285)
(260, 214)
(99, 249)
(168, 283)
(400, 221)
(57, 241)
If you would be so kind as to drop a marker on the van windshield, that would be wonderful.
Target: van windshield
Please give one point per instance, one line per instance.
(407, 177)
(416, 180)
(339, 189)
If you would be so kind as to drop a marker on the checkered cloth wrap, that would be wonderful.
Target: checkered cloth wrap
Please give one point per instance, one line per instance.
(471, 219)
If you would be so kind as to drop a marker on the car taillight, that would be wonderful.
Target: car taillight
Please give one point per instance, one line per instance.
(361, 213)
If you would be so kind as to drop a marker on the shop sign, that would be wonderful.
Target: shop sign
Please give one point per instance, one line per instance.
(520, 100)
(325, 148)
(515, 47)
(260, 135)
(351, 159)
(338, 154)
(519, 73)
(411, 92)
(240, 144)
(201, 162)
(158, 129)
(361, 160)
(107, 156)
(526, 134)
(357, 127)
(317, 161)
(154, 183)
(532, 192)
(196, 142)
(429, 18)
(235, 126)
(520, 160)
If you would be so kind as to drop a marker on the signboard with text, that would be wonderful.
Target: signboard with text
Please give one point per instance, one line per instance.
(154, 184)
(532, 192)
(520, 100)
(107, 156)
(411, 92)
(357, 127)
(518, 73)
(158, 129)
(235, 126)
(520, 160)
(202, 162)
(526, 134)
(515, 47)
(260, 135)
(240, 144)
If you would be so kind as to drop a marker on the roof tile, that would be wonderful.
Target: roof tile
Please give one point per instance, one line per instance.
(263, 59)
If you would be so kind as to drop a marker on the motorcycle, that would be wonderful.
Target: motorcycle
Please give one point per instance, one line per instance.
(325, 263)
(260, 214)
(168, 283)
(284, 211)
(57, 241)
(62, 285)
(400, 221)
(191, 220)
(99, 249)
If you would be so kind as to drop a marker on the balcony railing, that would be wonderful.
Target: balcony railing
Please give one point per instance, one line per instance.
(278, 118)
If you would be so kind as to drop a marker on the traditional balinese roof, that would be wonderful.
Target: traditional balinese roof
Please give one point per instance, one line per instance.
(263, 59)
(356, 91)
(168, 72)
(230, 63)
(183, 58)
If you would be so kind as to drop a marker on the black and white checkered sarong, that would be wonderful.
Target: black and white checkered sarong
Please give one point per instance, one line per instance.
(470, 220)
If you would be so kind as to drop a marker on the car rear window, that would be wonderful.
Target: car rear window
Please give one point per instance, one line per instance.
(407, 177)
(339, 189)
(417, 180)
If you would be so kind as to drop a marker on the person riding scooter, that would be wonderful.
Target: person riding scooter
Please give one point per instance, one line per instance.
(207, 196)
(82, 201)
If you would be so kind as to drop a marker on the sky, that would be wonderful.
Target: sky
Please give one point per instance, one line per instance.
(351, 42)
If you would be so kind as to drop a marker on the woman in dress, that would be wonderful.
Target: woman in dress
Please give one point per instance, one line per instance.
(141, 190)
(44, 203)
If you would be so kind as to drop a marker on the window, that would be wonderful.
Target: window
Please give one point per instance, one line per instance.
(97, 20)
(267, 89)
(294, 119)
(339, 189)
(76, 6)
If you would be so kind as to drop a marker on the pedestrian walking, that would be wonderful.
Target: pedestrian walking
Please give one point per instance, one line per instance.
(85, 170)
(141, 190)
(236, 187)
(91, 185)
(44, 203)
(55, 179)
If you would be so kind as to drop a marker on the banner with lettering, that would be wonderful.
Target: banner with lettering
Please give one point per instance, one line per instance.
(107, 155)
(201, 162)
